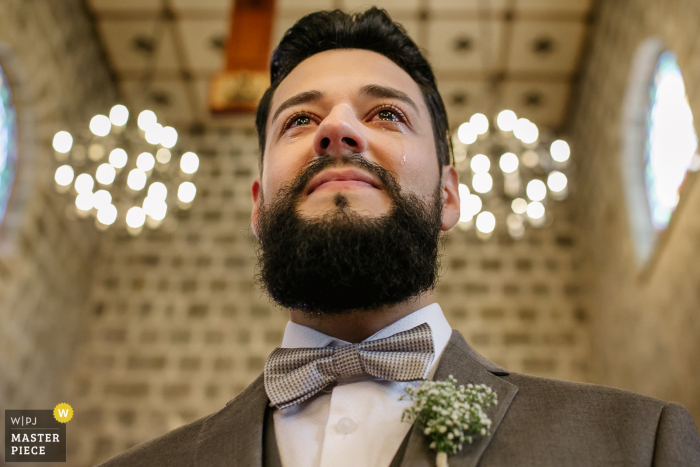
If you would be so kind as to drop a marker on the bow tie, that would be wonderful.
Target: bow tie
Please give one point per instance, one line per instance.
(294, 375)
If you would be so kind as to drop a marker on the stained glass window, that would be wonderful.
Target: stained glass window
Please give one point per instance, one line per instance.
(671, 142)
(8, 143)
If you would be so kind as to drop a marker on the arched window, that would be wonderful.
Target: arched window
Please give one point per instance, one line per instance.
(671, 142)
(659, 144)
(8, 142)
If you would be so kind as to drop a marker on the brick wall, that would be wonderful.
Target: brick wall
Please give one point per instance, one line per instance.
(178, 327)
(645, 326)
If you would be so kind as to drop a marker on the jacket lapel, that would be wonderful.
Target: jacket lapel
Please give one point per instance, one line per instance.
(467, 366)
(234, 435)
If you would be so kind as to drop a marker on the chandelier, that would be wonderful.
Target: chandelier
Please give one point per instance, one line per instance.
(123, 172)
(513, 171)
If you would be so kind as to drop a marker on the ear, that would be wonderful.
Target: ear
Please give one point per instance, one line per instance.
(257, 201)
(450, 195)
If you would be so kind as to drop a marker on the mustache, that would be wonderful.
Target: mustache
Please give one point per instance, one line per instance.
(296, 187)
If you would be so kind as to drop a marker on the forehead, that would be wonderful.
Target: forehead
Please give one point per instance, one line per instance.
(342, 72)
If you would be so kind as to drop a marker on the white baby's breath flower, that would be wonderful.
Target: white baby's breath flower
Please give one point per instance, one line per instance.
(451, 415)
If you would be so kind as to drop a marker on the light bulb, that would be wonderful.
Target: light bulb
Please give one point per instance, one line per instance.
(506, 120)
(466, 133)
(135, 217)
(154, 133)
(118, 158)
(149, 204)
(146, 119)
(526, 131)
(480, 164)
(159, 211)
(465, 214)
(519, 206)
(145, 161)
(168, 137)
(157, 191)
(84, 183)
(119, 115)
(163, 156)
(186, 192)
(530, 158)
(96, 151)
(536, 190)
(508, 163)
(531, 134)
(102, 198)
(475, 204)
(84, 201)
(485, 222)
(64, 175)
(189, 163)
(136, 179)
(513, 221)
(107, 214)
(482, 182)
(560, 150)
(155, 208)
(480, 123)
(100, 125)
(62, 142)
(535, 210)
(556, 181)
(105, 174)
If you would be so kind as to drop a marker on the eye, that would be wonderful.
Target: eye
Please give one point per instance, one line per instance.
(388, 115)
(301, 120)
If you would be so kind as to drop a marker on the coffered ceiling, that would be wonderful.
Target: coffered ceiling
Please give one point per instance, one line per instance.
(487, 54)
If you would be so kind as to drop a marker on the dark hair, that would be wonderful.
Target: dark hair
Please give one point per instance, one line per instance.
(371, 30)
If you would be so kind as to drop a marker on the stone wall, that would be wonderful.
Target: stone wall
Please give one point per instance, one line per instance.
(58, 77)
(178, 326)
(645, 323)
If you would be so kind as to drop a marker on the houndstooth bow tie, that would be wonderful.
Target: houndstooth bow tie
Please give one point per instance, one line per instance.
(294, 375)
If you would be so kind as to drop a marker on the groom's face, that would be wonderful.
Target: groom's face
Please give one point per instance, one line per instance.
(351, 199)
(349, 101)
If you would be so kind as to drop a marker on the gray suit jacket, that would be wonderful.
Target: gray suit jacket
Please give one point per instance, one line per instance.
(537, 422)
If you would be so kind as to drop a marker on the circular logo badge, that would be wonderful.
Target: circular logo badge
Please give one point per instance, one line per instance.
(63, 412)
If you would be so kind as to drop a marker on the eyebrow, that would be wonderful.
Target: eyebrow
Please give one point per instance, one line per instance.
(385, 92)
(373, 90)
(301, 98)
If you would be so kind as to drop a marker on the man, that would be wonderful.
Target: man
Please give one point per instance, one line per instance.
(355, 188)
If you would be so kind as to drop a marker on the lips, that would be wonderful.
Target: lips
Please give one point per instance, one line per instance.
(342, 178)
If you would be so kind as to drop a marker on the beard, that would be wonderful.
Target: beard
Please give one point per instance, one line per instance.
(341, 261)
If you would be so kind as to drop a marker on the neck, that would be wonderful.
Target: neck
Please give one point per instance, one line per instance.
(356, 326)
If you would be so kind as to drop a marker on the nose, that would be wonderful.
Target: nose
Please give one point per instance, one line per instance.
(339, 133)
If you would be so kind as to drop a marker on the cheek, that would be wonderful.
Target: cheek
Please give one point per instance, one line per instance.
(417, 167)
(281, 165)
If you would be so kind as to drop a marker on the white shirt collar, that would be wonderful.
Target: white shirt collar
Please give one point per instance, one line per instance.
(299, 336)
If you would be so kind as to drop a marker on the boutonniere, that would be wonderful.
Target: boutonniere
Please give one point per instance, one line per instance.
(450, 415)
